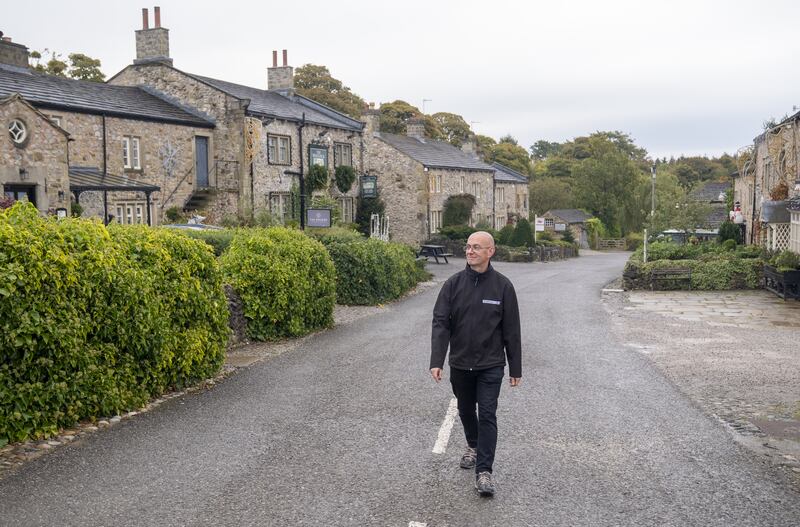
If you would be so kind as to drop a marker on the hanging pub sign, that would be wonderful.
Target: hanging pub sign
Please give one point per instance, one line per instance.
(318, 155)
(318, 217)
(369, 186)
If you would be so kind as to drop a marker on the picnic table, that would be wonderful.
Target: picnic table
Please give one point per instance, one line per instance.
(436, 251)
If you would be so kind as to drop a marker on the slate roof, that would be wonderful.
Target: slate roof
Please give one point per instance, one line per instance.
(435, 154)
(711, 191)
(570, 215)
(48, 91)
(291, 108)
(794, 204)
(718, 214)
(503, 174)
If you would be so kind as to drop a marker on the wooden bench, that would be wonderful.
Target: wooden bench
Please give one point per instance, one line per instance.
(671, 273)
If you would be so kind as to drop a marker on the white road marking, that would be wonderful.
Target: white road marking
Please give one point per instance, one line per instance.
(447, 426)
(417, 524)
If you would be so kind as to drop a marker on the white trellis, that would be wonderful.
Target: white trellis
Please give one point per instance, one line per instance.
(778, 236)
(379, 227)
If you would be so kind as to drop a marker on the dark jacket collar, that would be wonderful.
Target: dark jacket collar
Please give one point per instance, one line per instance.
(472, 274)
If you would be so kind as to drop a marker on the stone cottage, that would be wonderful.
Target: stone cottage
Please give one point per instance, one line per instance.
(714, 194)
(510, 196)
(415, 175)
(766, 184)
(559, 220)
(262, 139)
(123, 145)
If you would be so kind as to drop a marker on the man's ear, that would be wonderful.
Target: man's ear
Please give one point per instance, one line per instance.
(491, 251)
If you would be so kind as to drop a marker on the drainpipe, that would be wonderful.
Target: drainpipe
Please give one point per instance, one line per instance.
(753, 211)
(302, 176)
(494, 201)
(105, 149)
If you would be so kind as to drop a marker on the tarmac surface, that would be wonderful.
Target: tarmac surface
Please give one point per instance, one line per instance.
(339, 430)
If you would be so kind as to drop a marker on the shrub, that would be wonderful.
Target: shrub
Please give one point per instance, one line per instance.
(523, 235)
(714, 271)
(366, 208)
(633, 240)
(97, 320)
(457, 232)
(219, 240)
(286, 281)
(729, 245)
(372, 271)
(504, 237)
(729, 231)
(786, 261)
(264, 218)
(76, 209)
(344, 176)
(544, 236)
(316, 178)
(457, 209)
(335, 234)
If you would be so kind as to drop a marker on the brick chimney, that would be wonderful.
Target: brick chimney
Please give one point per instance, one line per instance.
(152, 44)
(280, 78)
(470, 146)
(372, 119)
(415, 127)
(12, 54)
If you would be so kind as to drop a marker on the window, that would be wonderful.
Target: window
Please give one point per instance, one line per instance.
(435, 183)
(549, 222)
(347, 206)
(280, 205)
(318, 155)
(55, 119)
(279, 150)
(342, 154)
(476, 189)
(501, 195)
(18, 132)
(794, 233)
(20, 192)
(130, 153)
(131, 213)
(435, 221)
(461, 185)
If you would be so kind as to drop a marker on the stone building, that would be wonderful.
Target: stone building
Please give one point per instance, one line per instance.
(262, 139)
(713, 193)
(415, 175)
(766, 184)
(559, 220)
(120, 151)
(510, 196)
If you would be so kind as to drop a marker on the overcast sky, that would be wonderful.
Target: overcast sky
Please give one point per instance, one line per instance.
(681, 77)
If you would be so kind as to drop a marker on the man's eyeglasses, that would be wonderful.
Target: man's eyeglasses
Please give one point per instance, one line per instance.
(475, 248)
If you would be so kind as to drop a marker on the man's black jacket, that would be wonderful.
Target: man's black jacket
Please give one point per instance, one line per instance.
(477, 315)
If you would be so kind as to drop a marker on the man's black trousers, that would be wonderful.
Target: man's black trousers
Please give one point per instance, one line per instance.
(481, 388)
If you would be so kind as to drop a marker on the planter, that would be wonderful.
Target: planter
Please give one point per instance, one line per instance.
(785, 284)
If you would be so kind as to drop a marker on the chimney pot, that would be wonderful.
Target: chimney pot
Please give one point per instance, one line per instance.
(157, 13)
(145, 19)
(285, 58)
(6, 39)
(274, 58)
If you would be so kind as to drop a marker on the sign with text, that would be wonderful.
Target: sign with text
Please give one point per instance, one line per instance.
(538, 223)
(318, 217)
(369, 186)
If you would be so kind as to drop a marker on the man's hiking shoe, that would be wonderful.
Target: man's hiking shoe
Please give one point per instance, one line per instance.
(484, 484)
(468, 459)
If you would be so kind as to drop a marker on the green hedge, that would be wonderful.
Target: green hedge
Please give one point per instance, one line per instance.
(95, 321)
(286, 280)
(723, 272)
(219, 240)
(371, 272)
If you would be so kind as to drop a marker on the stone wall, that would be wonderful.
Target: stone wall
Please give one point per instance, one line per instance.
(228, 176)
(451, 184)
(514, 202)
(166, 153)
(402, 185)
(42, 158)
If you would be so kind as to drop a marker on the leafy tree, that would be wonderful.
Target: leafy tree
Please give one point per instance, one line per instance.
(542, 149)
(80, 66)
(394, 116)
(523, 234)
(557, 167)
(366, 208)
(454, 128)
(550, 193)
(458, 209)
(317, 83)
(508, 138)
(510, 155)
(485, 144)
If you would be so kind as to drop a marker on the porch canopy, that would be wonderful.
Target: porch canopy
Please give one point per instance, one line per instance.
(85, 179)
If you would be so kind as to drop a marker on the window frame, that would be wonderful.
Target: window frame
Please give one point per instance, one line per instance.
(337, 154)
(274, 152)
(131, 152)
(347, 206)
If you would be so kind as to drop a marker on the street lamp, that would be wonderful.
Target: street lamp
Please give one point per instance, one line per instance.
(653, 190)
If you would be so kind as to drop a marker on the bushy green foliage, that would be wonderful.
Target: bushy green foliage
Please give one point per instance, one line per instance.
(786, 261)
(316, 178)
(457, 232)
(286, 281)
(75, 209)
(633, 240)
(523, 234)
(219, 240)
(372, 271)
(567, 236)
(457, 209)
(366, 208)
(344, 176)
(505, 235)
(729, 231)
(96, 320)
(729, 245)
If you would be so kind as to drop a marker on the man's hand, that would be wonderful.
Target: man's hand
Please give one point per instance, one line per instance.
(436, 373)
(514, 381)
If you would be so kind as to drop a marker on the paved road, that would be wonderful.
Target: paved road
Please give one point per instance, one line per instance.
(340, 432)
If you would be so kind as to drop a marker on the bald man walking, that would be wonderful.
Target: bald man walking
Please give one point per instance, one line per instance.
(477, 316)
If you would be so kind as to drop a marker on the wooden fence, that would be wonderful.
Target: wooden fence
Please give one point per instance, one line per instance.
(611, 245)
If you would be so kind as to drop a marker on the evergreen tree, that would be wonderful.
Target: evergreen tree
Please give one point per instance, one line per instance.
(523, 234)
